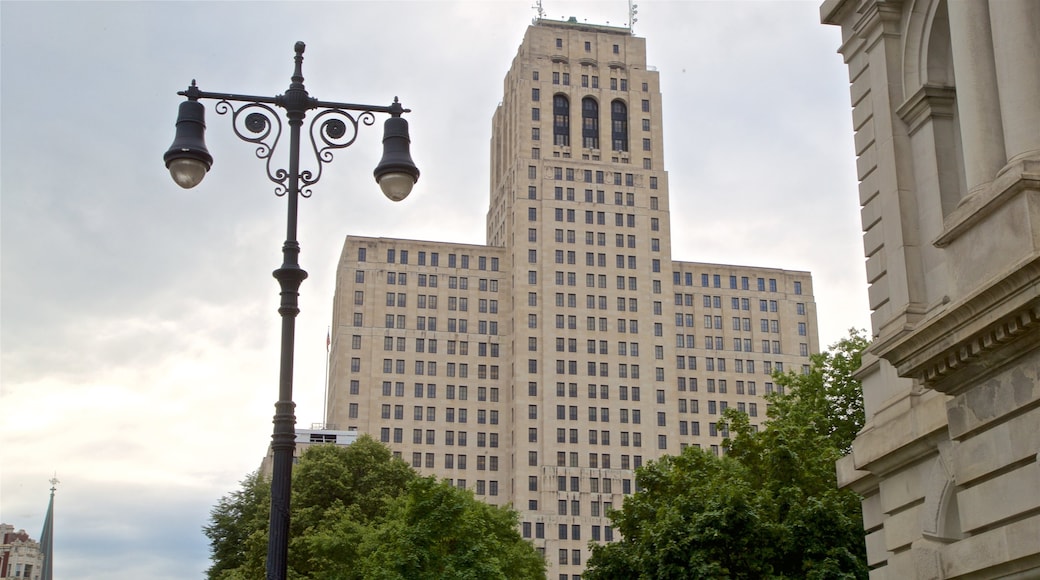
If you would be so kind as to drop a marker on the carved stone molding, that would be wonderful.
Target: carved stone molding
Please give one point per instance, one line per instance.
(1016, 179)
(940, 373)
(974, 338)
(928, 102)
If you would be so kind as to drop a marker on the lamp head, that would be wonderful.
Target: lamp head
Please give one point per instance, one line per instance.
(396, 172)
(187, 158)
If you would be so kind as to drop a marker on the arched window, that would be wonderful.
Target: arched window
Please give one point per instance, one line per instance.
(561, 121)
(619, 126)
(589, 123)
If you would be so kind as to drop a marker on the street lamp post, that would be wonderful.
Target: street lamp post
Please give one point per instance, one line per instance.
(257, 122)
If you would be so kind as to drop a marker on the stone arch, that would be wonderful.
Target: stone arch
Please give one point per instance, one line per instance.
(930, 94)
(927, 57)
(940, 516)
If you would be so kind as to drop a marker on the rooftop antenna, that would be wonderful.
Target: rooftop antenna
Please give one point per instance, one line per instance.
(632, 16)
(539, 9)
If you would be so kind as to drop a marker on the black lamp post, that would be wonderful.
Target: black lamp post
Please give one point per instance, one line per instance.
(334, 127)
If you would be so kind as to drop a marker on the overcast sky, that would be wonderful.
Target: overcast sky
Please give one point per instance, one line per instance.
(139, 322)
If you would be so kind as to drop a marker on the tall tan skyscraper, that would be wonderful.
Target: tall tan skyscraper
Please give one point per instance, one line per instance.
(542, 369)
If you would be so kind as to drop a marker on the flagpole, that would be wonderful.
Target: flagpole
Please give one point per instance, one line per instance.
(325, 399)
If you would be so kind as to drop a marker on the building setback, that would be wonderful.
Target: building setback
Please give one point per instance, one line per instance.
(946, 109)
(304, 439)
(541, 369)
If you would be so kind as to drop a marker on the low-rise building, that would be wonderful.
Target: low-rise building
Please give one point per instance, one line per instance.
(304, 439)
(20, 555)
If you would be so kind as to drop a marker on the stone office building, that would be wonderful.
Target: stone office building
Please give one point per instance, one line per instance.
(946, 111)
(542, 368)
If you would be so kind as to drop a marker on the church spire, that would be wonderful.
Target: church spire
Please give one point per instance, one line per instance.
(47, 537)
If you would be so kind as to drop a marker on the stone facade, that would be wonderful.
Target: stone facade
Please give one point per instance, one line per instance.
(541, 369)
(946, 113)
(20, 555)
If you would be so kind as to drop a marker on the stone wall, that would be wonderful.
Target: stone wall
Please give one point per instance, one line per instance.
(946, 112)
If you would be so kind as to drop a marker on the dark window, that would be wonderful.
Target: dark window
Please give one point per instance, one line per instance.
(561, 121)
(589, 123)
(619, 126)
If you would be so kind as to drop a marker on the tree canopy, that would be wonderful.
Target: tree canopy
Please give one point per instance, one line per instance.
(359, 513)
(769, 507)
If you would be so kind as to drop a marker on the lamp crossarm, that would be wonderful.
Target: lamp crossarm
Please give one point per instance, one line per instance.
(256, 121)
(194, 93)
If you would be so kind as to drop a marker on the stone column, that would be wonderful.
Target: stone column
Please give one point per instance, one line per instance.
(1016, 48)
(978, 105)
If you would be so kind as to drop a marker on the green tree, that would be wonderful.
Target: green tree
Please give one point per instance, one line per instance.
(236, 518)
(359, 513)
(769, 507)
(436, 531)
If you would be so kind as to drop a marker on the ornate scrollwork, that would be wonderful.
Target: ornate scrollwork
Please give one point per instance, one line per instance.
(329, 130)
(259, 124)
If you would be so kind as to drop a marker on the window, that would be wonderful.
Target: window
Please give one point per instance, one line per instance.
(536, 114)
(619, 126)
(561, 121)
(589, 123)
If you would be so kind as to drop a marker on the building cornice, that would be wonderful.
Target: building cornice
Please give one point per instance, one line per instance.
(974, 337)
(573, 24)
